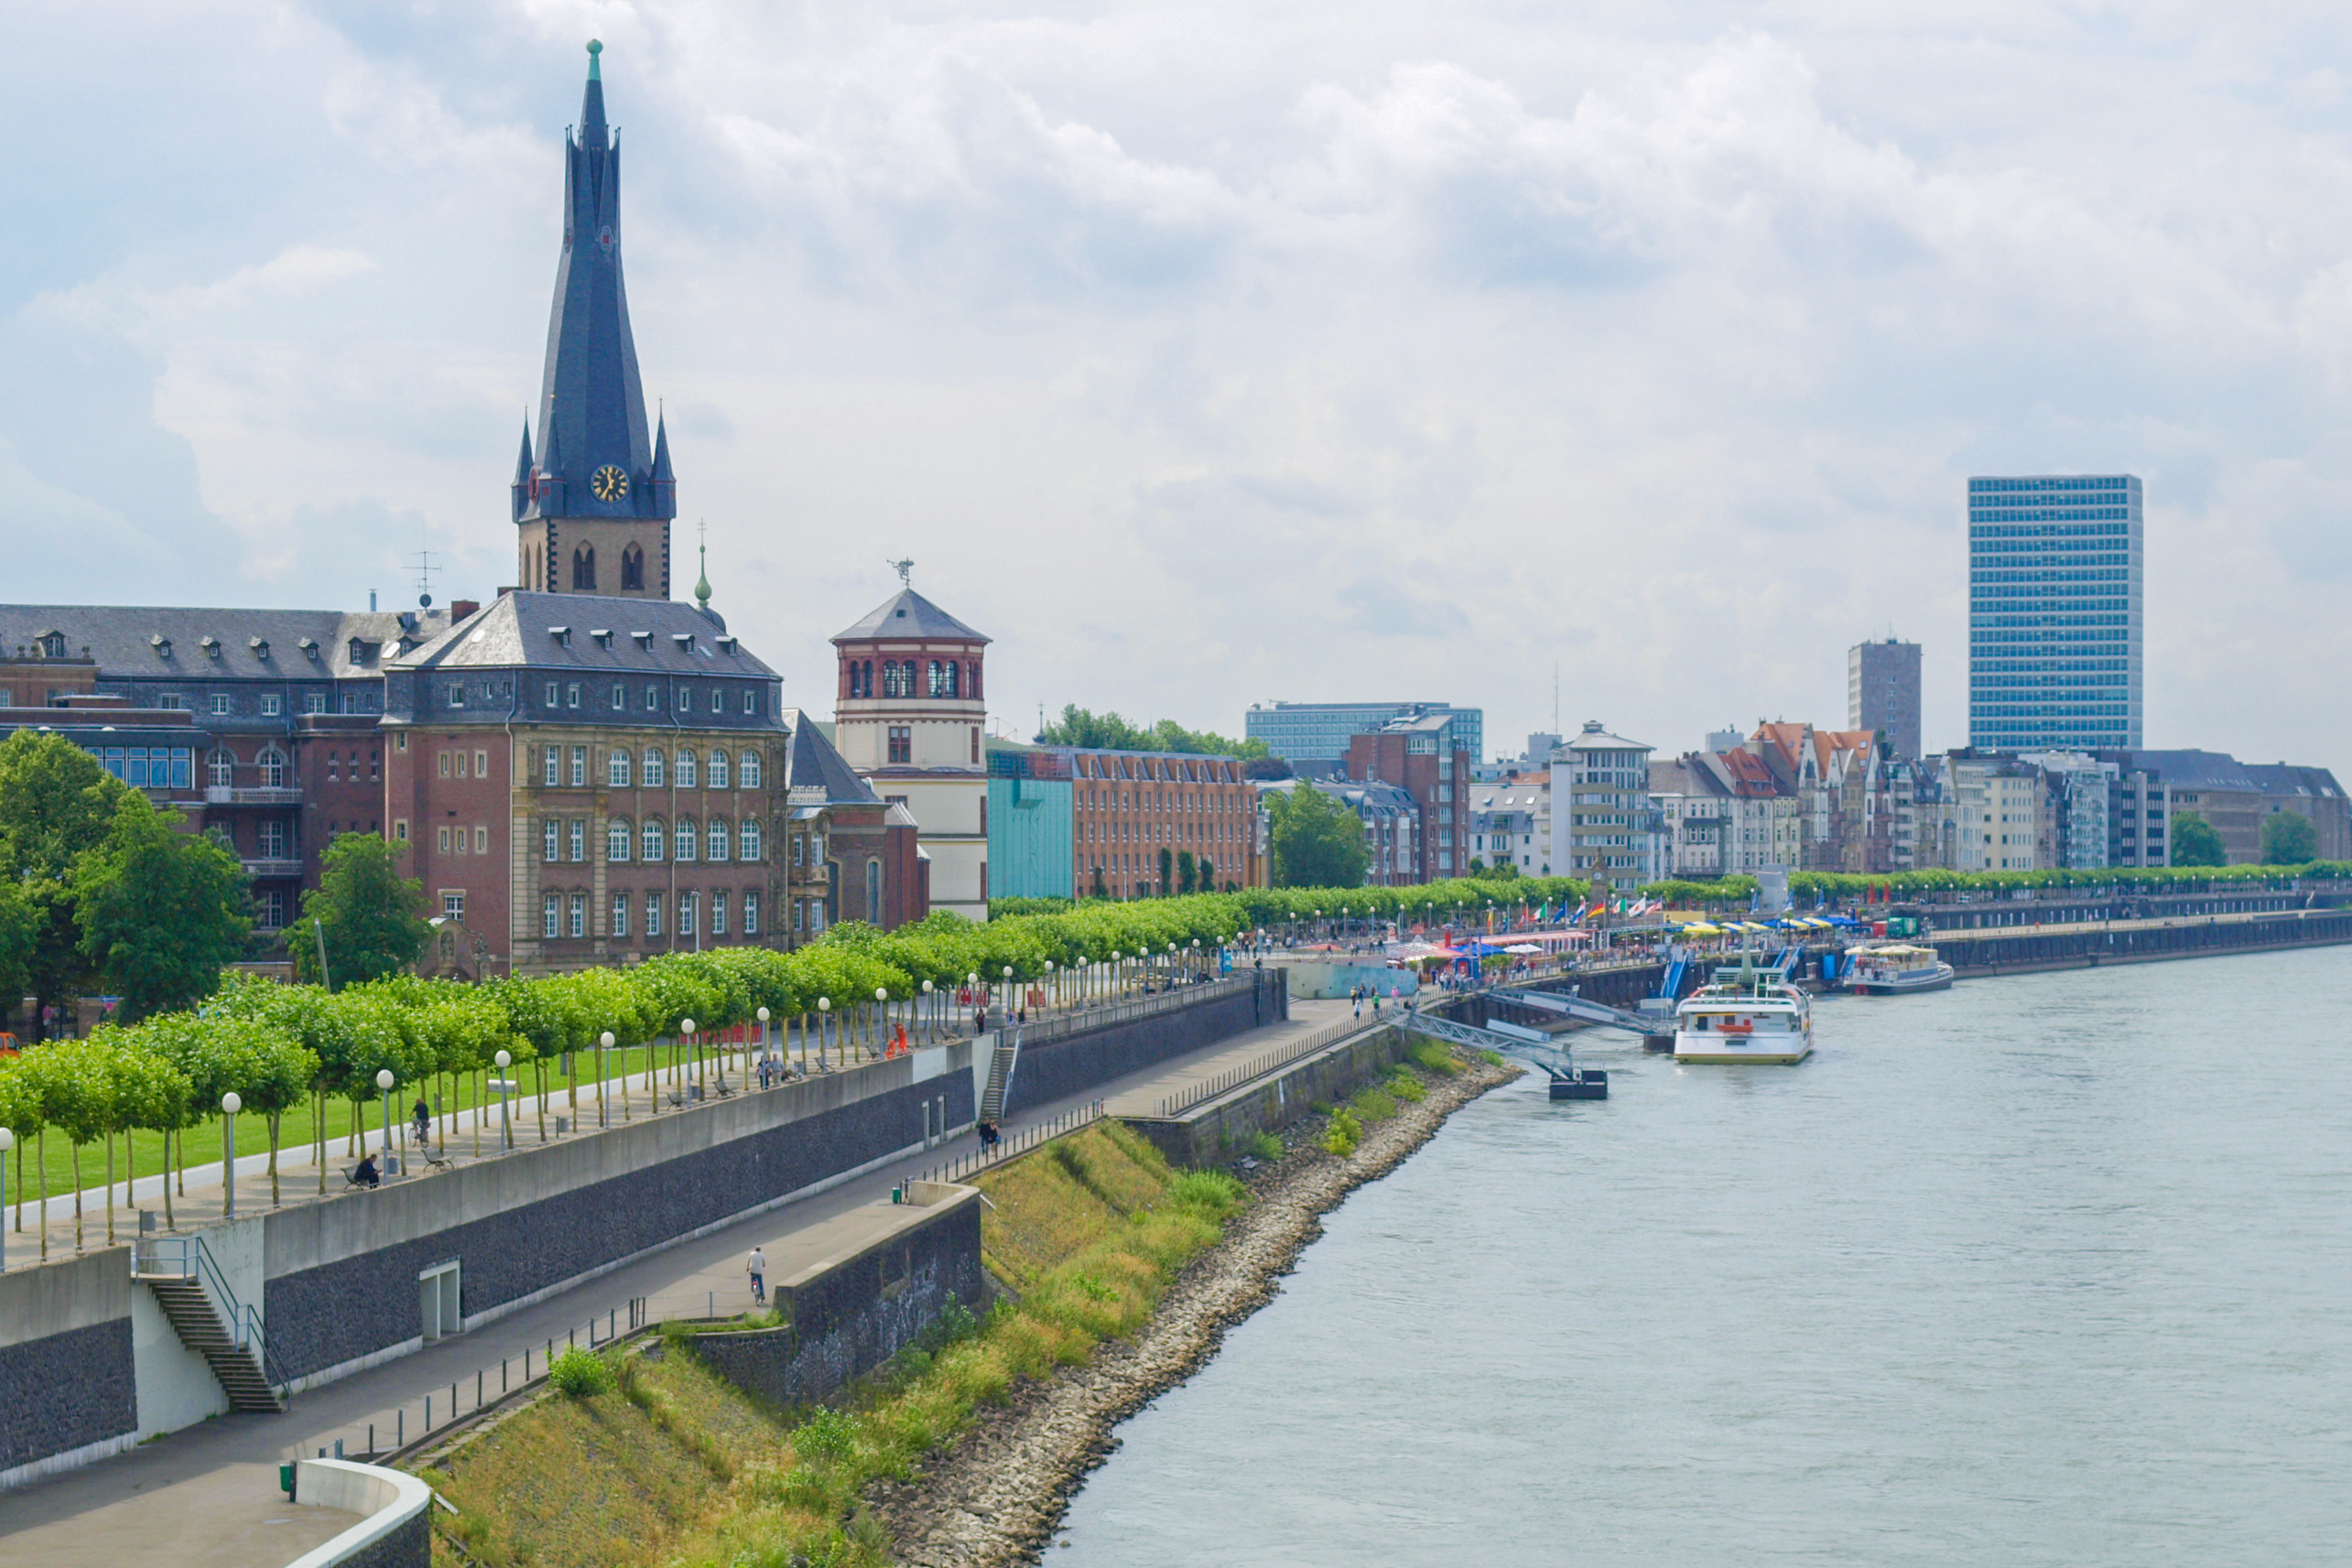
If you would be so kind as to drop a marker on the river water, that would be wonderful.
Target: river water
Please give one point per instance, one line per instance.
(2054, 1269)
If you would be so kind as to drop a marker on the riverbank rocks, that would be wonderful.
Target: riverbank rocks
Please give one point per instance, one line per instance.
(994, 1496)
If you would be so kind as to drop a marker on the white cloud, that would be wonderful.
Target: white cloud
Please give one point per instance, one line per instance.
(1218, 354)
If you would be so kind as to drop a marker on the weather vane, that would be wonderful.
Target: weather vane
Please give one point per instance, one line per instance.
(905, 570)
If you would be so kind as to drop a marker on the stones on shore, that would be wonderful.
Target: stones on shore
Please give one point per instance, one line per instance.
(997, 1494)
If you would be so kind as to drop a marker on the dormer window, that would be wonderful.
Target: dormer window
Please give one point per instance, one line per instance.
(260, 645)
(211, 646)
(645, 640)
(727, 644)
(603, 635)
(562, 635)
(162, 645)
(685, 641)
(357, 651)
(309, 646)
(52, 644)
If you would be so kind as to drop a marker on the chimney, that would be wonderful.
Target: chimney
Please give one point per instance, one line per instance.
(462, 608)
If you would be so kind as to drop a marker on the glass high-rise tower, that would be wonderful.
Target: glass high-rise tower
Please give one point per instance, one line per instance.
(2054, 581)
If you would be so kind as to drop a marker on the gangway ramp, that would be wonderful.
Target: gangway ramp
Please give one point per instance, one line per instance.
(1573, 1006)
(1568, 1082)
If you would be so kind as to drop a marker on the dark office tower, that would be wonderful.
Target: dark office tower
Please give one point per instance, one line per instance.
(1882, 692)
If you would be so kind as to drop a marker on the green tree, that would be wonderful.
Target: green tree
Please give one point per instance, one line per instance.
(56, 804)
(1078, 727)
(2289, 839)
(161, 912)
(1316, 843)
(1188, 871)
(21, 928)
(2195, 842)
(371, 917)
(1167, 871)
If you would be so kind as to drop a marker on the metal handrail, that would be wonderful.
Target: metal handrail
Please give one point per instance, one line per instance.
(187, 1258)
(1061, 1026)
(1023, 1142)
(1281, 1056)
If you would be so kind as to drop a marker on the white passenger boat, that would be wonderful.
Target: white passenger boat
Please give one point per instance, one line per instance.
(1893, 968)
(1746, 1015)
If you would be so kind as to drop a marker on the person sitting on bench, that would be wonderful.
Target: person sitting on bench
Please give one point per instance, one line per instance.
(365, 1174)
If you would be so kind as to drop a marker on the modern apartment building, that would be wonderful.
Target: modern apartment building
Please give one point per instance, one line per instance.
(1079, 822)
(1882, 692)
(1313, 736)
(1427, 755)
(2055, 612)
(1602, 821)
(2007, 821)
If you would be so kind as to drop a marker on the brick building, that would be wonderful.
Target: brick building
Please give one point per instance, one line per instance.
(1428, 757)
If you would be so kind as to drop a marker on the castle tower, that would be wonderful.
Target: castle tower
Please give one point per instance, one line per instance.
(592, 512)
(907, 716)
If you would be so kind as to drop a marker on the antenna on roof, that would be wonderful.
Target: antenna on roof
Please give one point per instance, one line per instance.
(905, 570)
(425, 567)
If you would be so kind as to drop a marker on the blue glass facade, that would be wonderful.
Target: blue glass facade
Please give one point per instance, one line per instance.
(1318, 731)
(2055, 612)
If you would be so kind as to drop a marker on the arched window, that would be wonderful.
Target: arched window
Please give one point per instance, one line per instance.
(893, 683)
(748, 840)
(272, 763)
(717, 841)
(616, 838)
(954, 678)
(651, 769)
(616, 771)
(972, 686)
(719, 769)
(221, 767)
(682, 845)
(938, 681)
(907, 679)
(686, 769)
(633, 568)
(747, 771)
(584, 569)
(874, 891)
(649, 840)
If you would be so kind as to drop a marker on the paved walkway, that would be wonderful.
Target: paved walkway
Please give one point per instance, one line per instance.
(199, 1490)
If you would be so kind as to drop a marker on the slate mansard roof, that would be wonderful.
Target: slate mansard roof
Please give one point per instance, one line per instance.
(590, 633)
(145, 642)
(908, 614)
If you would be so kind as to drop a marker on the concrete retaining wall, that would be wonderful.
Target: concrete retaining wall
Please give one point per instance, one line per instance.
(342, 1273)
(1215, 1132)
(850, 1315)
(395, 1524)
(1065, 1067)
(68, 1388)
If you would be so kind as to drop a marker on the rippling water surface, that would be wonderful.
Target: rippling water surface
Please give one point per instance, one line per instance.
(2046, 1269)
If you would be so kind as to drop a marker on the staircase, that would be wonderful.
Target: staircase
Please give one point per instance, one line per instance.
(1000, 1076)
(175, 1268)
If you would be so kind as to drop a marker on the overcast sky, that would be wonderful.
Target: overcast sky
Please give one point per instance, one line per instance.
(1216, 353)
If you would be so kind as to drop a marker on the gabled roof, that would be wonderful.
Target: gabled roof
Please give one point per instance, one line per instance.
(908, 613)
(2289, 779)
(813, 763)
(1594, 738)
(559, 631)
(2193, 770)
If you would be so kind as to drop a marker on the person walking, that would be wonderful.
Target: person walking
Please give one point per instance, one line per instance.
(756, 1266)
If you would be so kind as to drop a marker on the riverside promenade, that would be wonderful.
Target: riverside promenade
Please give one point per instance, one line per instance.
(204, 1495)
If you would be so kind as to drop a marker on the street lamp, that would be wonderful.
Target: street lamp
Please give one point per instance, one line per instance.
(824, 1013)
(694, 1047)
(930, 1014)
(230, 1106)
(506, 1130)
(881, 1021)
(384, 1081)
(603, 1043)
(764, 1048)
(1008, 988)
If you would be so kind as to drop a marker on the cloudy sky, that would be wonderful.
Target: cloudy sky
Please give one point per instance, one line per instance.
(1208, 354)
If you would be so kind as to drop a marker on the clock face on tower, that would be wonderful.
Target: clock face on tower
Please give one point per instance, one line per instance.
(609, 484)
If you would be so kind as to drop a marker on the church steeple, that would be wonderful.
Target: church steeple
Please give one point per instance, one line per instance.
(602, 489)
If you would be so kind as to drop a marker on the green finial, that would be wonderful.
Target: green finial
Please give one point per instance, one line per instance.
(595, 48)
(702, 554)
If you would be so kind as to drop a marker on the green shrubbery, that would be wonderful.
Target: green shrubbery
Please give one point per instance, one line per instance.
(580, 1373)
(1266, 1147)
(1342, 1133)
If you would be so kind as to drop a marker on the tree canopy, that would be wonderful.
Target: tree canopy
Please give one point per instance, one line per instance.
(1078, 727)
(2289, 839)
(1316, 840)
(56, 805)
(368, 917)
(2196, 842)
(161, 912)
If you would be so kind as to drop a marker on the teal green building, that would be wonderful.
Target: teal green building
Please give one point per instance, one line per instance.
(1032, 831)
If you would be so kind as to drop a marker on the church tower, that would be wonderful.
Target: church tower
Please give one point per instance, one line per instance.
(592, 512)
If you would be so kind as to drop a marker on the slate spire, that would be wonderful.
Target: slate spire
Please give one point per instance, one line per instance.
(523, 496)
(592, 413)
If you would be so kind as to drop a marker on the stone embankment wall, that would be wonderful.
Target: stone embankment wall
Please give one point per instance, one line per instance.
(848, 1315)
(1060, 1068)
(1997, 951)
(1218, 1130)
(68, 1384)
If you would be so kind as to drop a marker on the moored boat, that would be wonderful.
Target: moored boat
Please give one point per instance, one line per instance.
(1894, 968)
(1746, 1015)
